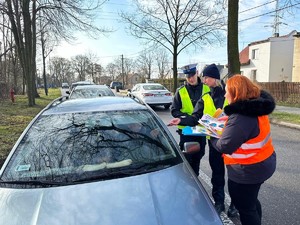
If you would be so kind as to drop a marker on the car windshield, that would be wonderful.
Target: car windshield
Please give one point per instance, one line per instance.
(91, 93)
(80, 147)
(154, 87)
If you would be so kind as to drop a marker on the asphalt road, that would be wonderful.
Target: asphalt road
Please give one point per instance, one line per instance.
(280, 195)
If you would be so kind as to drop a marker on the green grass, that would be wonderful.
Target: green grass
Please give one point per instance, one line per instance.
(286, 117)
(16, 116)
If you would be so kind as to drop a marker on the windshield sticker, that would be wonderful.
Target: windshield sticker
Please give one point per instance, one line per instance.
(21, 168)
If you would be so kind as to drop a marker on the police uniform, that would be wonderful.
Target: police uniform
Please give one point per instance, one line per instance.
(182, 107)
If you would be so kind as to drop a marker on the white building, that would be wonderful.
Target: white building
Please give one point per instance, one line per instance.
(275, 59)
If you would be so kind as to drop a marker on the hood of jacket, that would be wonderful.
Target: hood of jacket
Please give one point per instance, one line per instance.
(263, 105)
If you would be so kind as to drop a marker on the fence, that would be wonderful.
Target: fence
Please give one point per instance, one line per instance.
(288, 92)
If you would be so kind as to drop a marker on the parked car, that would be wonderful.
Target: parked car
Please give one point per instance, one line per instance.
(80, 83)
(116, 84)
(65, 86)
(91, 91)
(80, 162)
(64, 89)
(152, 93)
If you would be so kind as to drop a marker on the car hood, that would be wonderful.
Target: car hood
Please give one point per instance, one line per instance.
(171, 196)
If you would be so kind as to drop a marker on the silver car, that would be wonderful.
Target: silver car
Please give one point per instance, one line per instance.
(106, 160)
(91, 91)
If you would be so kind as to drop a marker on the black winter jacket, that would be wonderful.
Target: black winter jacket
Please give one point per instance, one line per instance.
(217, 94)
(242, 125)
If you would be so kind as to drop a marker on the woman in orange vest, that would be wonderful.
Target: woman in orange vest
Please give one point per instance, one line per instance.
(246, 145)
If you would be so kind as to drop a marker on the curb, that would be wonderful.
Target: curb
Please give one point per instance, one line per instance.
(285, 124)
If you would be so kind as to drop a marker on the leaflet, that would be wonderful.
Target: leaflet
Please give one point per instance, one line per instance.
(208, 126)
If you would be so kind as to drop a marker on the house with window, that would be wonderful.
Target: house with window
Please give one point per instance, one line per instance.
(275, 59)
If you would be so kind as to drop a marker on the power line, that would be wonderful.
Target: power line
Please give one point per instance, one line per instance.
(269, 12)
(257, 6)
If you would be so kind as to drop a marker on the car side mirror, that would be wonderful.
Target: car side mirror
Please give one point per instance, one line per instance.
(191, 147)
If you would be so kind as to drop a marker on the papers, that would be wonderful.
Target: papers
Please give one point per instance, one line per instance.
(209, 126)
(212, 124)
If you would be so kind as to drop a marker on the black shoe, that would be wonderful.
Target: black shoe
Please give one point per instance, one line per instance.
(219, 207)
(232, 211)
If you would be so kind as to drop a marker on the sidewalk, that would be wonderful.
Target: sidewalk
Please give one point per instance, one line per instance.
(286, 109)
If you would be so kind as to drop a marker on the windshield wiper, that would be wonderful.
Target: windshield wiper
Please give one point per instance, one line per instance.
(34, 182)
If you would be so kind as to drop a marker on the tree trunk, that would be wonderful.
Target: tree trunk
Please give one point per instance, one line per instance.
(232, 38)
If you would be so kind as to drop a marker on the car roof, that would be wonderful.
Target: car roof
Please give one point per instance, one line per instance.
(84, 82)
(92, 86)
(106, 103)
(149, 84)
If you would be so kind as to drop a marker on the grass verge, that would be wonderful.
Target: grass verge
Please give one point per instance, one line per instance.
(16, 116)
(286, 117)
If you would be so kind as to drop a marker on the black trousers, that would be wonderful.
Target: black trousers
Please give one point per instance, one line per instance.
(216, 163)
(193, 158)
(244, 197)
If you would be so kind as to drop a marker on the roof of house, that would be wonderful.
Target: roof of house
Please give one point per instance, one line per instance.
(244, 56)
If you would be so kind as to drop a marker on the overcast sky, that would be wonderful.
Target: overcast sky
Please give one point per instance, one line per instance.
(256, 19)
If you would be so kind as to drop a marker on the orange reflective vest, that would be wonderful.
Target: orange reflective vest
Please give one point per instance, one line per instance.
(254, 150)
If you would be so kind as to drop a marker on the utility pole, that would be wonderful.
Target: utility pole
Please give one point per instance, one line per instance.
(123, 70)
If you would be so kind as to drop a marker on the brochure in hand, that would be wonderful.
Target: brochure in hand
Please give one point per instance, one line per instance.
(212, 124)
(209, 126)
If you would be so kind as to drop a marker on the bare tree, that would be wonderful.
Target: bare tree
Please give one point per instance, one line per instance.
(61, 70)
(163, 62)
(145, 62)
(112, 69)
(176, 25)
(63, 17)
(81, 66)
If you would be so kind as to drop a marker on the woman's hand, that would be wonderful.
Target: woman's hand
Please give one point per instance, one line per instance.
(223, 118)
(174, 121)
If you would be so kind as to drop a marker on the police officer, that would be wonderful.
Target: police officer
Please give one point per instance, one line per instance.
(211, 77)
(207, 104)
(183, 105)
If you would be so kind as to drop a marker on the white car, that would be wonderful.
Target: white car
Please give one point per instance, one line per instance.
(152, 93)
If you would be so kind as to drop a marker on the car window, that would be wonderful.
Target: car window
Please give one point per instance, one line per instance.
(75, 146)
(154, 87)
(91, 93)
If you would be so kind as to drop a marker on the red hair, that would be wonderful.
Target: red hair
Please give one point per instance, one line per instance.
(241, 88)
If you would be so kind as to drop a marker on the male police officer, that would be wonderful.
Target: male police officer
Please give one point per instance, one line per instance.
(183, 105)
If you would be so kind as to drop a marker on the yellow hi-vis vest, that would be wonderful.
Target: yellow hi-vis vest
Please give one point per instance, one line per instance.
(254, 150)
(187, 106)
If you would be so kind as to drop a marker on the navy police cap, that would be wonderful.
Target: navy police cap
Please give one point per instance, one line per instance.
(189, 70)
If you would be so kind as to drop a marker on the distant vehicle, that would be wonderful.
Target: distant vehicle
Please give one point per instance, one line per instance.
(65, 86)
(152, 93)
(81, 83)
(90, 91)
(98, 161)
(116, 84)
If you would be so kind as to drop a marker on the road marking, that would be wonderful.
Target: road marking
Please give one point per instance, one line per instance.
(225, 219)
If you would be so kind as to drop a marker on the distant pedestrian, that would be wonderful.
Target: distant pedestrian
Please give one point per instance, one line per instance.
(12, 94)
(246, 145)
